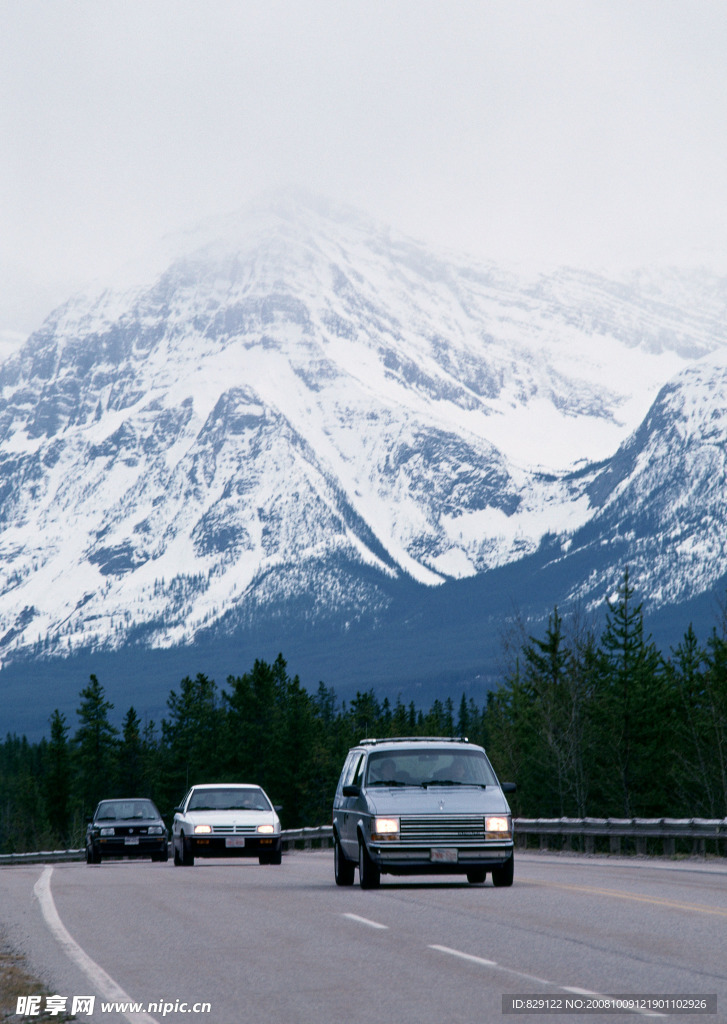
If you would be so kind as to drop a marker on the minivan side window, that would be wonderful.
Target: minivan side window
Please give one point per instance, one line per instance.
(346, 771)
(358, 772)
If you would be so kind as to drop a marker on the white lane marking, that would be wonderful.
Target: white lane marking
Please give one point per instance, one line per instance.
(103, 982)
(465, 956)
(532, 977)
(365, 920)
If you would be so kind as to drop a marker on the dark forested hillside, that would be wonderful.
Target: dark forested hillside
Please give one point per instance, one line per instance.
(587, 725)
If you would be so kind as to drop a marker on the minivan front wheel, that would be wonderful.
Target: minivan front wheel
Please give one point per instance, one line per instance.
(342, 868)
(503, 874)
(369, 876)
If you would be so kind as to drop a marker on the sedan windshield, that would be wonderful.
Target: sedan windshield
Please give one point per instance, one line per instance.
(226, 799)
(117, 810)
(445, 767)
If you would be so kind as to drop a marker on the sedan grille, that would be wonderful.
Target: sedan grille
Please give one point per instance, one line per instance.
(450, 829)
(234, 830)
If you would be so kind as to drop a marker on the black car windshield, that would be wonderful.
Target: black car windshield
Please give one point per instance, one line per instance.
(248, 798)
(125, 810)
(430, 767)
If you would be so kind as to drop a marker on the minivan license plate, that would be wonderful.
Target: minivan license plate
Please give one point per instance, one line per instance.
(234, 841)
(445, 856)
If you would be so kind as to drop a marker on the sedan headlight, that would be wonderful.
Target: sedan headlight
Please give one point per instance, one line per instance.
(155, 830)
(385, 828)
(202, 830)
(106, 831)
(267, 830)
(498, 826)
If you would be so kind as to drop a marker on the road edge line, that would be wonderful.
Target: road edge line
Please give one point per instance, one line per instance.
(99, 978)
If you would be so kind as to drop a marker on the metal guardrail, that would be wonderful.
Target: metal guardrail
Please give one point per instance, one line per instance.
(297, 838)
(42, 857)
(646, 835)
(308, 838)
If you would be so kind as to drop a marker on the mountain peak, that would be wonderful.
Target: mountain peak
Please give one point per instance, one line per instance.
(299, 407)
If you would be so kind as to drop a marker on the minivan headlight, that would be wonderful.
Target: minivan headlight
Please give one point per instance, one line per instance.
(498, 826)
(385, 828)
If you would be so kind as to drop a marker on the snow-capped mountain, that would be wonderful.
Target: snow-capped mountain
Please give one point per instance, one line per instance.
(660, 504)
(301, 409)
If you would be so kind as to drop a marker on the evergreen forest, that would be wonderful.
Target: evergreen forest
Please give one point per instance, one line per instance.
(586, 722)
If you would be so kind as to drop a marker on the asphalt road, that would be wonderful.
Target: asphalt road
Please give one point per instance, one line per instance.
(285, 945)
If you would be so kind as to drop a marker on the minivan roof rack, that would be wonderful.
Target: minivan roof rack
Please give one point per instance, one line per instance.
(413, 739)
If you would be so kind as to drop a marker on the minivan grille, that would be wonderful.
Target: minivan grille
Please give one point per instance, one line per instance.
(452, 829)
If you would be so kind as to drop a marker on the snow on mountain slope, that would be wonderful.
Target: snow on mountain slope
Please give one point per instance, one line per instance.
(300, 401)
(660, 503)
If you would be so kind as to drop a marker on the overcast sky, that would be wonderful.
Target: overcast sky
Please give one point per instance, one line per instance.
(585, 131)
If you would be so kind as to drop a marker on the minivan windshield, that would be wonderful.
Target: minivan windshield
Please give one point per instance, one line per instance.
(430, 767)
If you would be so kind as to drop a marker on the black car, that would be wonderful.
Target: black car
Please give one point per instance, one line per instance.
(126, 828)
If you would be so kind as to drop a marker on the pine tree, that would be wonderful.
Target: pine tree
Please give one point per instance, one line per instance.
(633, 712)
(131, 767)
(463, 718)
(95, 747)
(191, 737)
(255, 722)
(58, 777)
(715, 717)
(556, 677)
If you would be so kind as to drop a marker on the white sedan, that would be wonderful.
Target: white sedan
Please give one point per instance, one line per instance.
(226, 820)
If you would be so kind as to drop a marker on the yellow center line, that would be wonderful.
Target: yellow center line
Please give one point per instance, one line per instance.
(655, 900)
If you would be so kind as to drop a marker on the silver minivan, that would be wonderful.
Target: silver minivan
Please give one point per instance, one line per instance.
(421, 805)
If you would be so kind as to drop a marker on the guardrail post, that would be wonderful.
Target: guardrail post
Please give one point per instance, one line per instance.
(669, 846)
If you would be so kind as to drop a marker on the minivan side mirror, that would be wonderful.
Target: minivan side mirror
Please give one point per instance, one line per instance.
(351, 790)
(509, 787)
